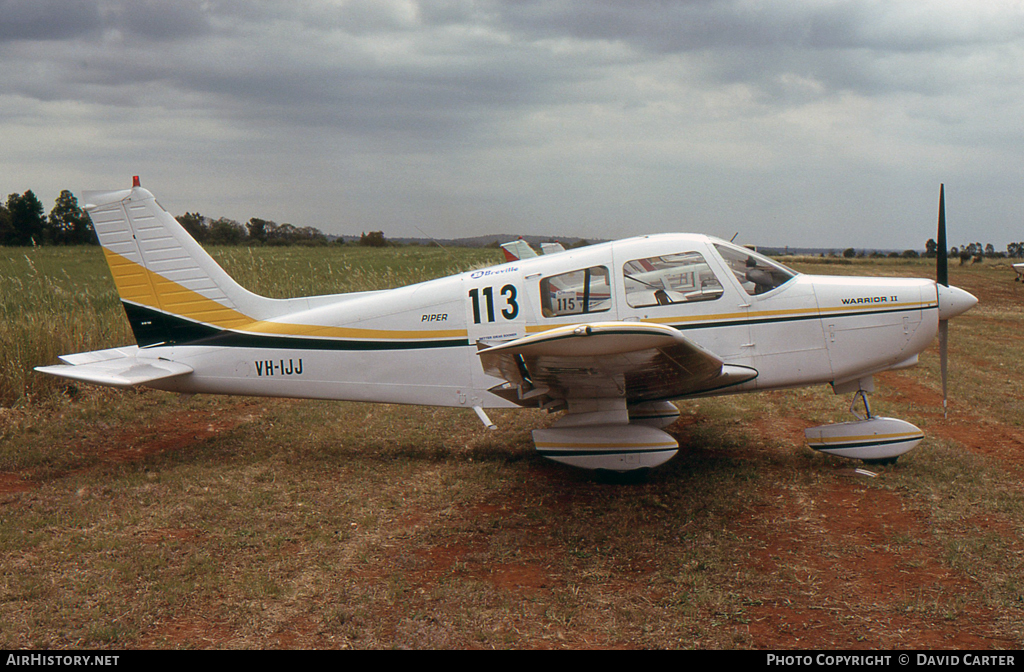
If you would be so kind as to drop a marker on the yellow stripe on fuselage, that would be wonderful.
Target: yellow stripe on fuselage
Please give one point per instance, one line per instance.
(761, 314)
(287, 329)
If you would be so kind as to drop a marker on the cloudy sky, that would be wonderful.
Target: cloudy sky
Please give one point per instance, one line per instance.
(792, 122)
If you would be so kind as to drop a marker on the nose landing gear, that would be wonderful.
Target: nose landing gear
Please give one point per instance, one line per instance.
(872, 439)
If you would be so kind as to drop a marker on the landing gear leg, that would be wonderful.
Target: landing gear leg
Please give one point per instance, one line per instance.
(861, 394)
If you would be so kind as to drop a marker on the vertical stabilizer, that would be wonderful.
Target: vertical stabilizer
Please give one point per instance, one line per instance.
(171, 288)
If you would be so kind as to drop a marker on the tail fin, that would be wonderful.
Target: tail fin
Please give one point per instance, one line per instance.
(517, 249)
(172, 290)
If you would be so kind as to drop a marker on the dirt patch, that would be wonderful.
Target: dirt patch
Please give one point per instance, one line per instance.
(189, 632)
(163, 535)
(472, 559)
(982, 436)
(902, 389)
(885, 589)
(987, 438)
(789, 431)
(12, 483)
(174, 431)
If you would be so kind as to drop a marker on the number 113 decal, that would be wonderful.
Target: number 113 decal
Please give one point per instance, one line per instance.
(510, 310)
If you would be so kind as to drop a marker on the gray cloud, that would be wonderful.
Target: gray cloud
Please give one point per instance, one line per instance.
(57, 20)
(558, 115)
(47, 19)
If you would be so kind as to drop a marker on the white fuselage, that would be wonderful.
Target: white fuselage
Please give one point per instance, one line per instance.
(418, 344)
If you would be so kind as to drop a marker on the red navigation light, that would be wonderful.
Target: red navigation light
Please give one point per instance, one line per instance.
(135, 181)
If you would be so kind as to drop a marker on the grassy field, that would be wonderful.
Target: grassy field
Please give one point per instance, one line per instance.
(141, 520)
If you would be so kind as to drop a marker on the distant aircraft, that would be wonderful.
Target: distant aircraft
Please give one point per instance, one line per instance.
(520, 249)
(608, 334)
(1019, 270)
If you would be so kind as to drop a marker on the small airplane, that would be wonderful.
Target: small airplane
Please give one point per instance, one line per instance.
(520, 249)
(609, 334)
(1019, 270)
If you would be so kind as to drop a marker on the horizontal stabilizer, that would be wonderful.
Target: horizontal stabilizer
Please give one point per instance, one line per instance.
(116, 367)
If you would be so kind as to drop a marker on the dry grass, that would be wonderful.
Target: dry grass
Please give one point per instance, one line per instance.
(137, 520)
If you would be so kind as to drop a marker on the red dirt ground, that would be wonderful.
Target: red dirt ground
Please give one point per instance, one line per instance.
(849, 600)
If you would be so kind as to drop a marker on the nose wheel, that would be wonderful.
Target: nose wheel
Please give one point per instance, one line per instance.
(870, 438)
(862, 396)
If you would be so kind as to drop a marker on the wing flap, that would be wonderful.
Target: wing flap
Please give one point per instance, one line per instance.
(641, 362)
(117, 367)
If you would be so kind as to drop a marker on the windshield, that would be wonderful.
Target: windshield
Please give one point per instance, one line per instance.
(755, 272)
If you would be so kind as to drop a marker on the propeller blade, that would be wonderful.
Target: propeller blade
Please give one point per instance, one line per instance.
(941, 263)
(942, 278)
(943, 359)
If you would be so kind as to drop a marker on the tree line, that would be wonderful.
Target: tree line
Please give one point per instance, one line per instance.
(976, 251)
(23, 222)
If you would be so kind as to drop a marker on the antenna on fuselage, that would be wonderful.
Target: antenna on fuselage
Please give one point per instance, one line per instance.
(434, 241)
(734, 236)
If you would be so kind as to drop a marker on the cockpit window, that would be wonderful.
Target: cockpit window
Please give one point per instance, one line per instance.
(756, 273)
(669, 279)
(576, 292)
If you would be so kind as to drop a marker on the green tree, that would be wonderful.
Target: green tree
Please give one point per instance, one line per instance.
(69, 225)
(931, 248)
(258, 229)
(280, 234)
(225, 231)
(195, 224)
(309, 235)
(7, 227)
(27, 219)
(373, 239)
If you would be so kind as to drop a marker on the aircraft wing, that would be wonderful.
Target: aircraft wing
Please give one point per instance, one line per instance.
(116, 367)
(638, 361)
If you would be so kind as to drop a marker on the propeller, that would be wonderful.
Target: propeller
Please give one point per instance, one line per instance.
(942, 278)
(952, 300)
